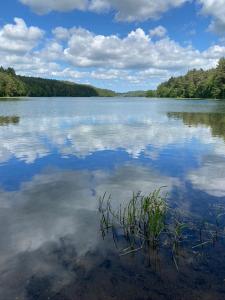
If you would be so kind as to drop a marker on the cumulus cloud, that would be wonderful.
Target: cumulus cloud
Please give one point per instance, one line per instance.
(126, 10)
(46, 6)
(18, 38)
(215, 9)
(132, 10)
(18, 49)
(136, 51)
(158, 31)
(69, 54)
(61, 33)
(52, 51)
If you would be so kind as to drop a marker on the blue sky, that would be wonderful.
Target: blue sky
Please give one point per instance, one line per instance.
(120, 45)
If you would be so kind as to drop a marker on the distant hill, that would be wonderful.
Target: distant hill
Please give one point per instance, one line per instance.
(12, 85)
(105, 93)
(196, 84)
(133, 94)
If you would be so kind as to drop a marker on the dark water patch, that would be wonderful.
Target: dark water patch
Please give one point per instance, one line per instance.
(131, 278)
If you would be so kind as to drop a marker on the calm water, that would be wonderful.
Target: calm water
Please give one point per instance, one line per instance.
(57, 156)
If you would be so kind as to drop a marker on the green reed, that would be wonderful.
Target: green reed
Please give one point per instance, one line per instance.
(147, 222)
(143, 219)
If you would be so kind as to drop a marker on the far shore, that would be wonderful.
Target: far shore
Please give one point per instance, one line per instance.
(116, 96)
(15, 97)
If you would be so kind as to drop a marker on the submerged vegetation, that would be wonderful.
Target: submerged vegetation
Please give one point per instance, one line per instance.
(148, 223)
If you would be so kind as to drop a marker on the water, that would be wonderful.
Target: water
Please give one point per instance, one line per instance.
(57, 156)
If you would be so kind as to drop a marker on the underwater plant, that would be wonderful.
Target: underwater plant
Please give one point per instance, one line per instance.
(147, 222)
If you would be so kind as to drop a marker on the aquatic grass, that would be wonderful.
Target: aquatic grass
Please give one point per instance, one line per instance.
(142, 220)
(147, 222)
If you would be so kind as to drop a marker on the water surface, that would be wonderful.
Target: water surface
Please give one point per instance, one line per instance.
(58, 155)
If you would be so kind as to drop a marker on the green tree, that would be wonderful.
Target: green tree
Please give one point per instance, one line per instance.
(196, 84)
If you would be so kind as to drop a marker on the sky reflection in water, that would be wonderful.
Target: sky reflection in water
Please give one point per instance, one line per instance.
(58, 155)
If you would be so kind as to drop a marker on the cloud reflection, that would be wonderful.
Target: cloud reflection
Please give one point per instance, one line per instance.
(59, 206)
(52, 205)
(210, 178)
(81, 137)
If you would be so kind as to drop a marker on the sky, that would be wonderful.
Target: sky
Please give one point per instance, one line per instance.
(115, 44)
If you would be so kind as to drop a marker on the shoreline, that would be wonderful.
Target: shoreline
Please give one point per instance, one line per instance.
(33, 97)
(15, 97)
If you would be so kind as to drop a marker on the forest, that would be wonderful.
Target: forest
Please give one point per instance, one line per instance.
(12, 85)
(195, 84)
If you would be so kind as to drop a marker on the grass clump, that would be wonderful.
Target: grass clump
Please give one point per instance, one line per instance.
(143, 221)
(147, 222)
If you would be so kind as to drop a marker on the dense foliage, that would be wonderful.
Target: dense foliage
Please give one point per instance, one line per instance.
(151, 93)
(196, 84)
(49, 88)
(12, 85)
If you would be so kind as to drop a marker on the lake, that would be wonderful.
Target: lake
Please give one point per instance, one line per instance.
(59, 155)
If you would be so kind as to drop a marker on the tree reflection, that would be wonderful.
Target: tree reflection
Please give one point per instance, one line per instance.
(216, 121)
(7, 120)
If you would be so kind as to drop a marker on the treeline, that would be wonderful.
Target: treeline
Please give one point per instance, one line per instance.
(133, 94)
(12, 85)
(195, 84)
(39, 87)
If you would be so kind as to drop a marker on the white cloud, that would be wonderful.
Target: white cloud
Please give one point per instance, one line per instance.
(126, 10)
(52, 51)
(46, 6)
(136, 59)
(136, 51)
(61, 33)
(133, 10)
(215, 9)
(158, 31)
(18, 38)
